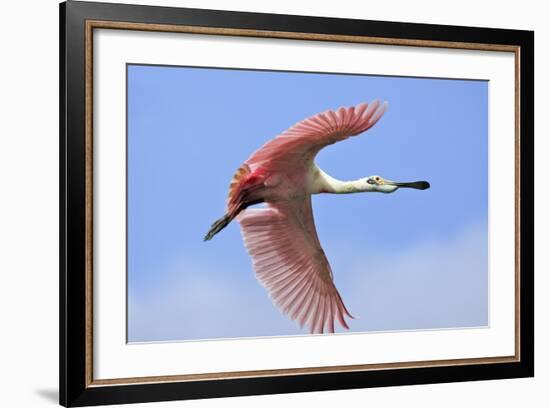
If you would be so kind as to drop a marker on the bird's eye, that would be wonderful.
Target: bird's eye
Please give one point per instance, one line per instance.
(377, 178)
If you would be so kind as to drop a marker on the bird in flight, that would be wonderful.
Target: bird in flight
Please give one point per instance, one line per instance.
(281, 237)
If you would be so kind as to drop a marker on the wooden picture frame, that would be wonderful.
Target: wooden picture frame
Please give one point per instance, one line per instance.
(78, 20)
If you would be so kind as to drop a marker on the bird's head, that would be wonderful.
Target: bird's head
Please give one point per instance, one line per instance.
(382, 185)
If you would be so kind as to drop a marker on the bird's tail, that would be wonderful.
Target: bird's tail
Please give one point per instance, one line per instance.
(218, 225)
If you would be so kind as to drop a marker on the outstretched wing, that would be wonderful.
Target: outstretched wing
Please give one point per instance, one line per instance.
(294, 150)
(300, 143)
(290, 263)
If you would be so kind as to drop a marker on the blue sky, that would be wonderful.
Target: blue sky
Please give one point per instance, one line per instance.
(402, 261)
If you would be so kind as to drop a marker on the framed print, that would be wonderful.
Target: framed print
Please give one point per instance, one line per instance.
(256, 203)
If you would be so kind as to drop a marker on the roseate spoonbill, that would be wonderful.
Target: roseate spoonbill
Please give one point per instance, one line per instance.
(281, 238)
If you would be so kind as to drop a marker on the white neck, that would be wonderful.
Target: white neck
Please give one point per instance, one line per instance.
(323, 183)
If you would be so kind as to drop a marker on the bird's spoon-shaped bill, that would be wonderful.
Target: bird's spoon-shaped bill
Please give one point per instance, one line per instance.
(419, 185)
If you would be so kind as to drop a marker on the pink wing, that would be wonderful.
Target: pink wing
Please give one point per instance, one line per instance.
(300, 143)
(289, 261)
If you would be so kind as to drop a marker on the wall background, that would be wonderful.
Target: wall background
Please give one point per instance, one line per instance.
(29, 202)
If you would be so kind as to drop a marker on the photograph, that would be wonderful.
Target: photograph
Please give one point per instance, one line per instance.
(264, 203)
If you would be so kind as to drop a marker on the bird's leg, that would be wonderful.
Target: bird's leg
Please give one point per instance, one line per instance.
(224, 221)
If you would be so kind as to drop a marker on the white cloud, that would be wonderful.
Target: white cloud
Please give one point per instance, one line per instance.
(428, 285)
(191, 303)
(431, 285)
